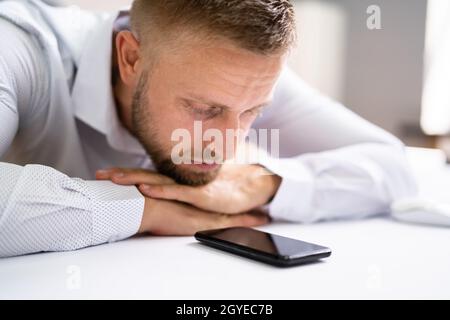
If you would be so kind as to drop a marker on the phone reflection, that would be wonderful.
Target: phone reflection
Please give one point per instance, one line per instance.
(265, 242)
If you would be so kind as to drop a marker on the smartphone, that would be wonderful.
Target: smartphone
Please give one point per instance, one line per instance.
(262, 246)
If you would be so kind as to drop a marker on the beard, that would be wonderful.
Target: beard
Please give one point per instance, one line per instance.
(148, 137)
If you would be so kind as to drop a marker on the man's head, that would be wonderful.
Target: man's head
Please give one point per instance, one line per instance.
(214, 61)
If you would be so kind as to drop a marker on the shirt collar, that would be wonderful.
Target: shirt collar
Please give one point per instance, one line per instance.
(92, 95)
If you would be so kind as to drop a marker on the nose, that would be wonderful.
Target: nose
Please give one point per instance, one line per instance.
(231, 134)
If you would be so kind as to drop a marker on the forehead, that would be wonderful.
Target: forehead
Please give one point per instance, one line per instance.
(222, 70)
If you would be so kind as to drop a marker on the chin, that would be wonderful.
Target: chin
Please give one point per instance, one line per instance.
(190, 174)
(195, 177)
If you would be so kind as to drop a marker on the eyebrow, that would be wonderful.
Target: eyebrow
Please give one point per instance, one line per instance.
(222, 106)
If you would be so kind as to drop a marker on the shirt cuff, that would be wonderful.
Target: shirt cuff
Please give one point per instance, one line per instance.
(116, 210)
(293, 200)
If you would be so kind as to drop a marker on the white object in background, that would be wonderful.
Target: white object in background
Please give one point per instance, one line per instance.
(419, 210)
(435, 118)
(96, 6)
(424, 160)
(326, 25)
(431, 173)
(432, 206)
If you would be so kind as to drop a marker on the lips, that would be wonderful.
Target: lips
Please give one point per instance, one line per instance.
(204, 166)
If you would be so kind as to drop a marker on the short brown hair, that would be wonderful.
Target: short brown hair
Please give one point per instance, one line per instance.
(261, 26)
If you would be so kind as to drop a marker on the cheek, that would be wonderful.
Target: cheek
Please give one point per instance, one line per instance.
(172, 122)
(164, 118)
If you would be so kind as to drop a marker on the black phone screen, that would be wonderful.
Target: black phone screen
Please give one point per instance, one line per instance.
(247, 240)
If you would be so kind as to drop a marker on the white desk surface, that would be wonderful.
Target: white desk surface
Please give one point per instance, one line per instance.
(374, 258)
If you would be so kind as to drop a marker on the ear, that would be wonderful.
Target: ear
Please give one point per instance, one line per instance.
(128, 57)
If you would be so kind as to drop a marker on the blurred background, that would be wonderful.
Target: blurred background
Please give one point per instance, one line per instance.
(384, 59)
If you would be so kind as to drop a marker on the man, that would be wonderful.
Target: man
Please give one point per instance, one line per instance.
(81, 92)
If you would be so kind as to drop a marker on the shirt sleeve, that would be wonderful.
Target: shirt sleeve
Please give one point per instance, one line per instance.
(42, 209)
(333, 163)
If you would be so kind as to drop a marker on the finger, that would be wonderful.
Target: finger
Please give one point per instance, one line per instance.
(212, 220)
(247, 220)
(107, 174)
(134, 176)
(104, 174)
(175, 192)
(177, 219)
(209, 220)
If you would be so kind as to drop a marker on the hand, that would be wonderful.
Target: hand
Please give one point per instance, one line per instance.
(169, 218)
(238, 187)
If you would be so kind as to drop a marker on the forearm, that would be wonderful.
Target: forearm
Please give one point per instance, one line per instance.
(350, 182)
(42, 209)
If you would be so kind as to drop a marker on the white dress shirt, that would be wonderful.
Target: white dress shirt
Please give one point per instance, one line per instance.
(58, 125)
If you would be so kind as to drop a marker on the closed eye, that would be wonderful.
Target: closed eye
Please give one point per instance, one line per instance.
(209, 112)
(206, 112)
